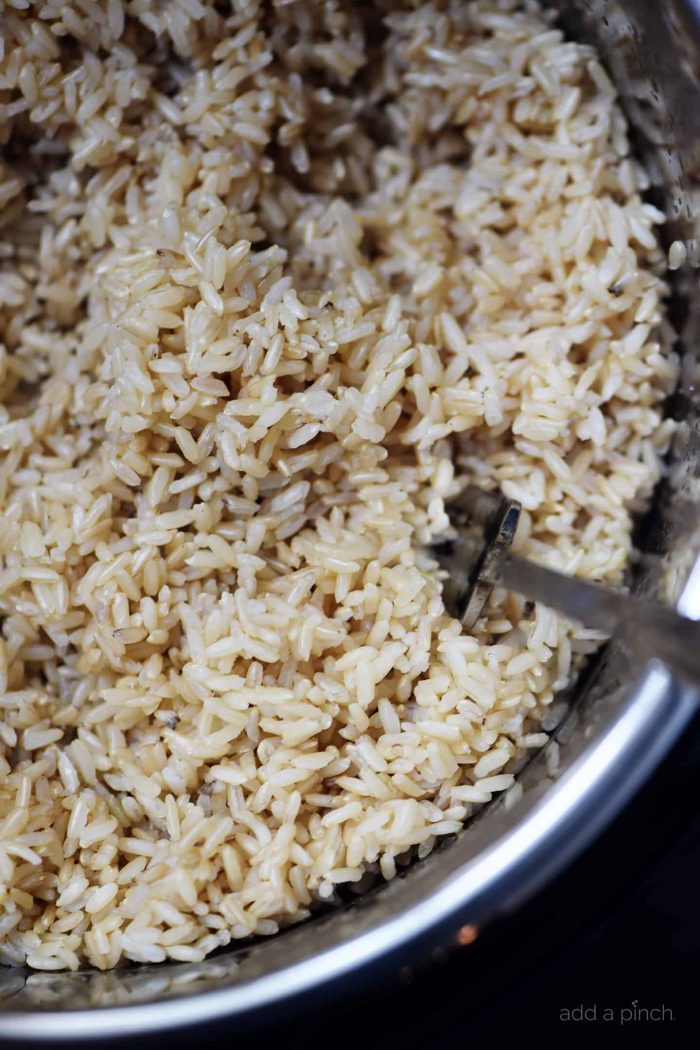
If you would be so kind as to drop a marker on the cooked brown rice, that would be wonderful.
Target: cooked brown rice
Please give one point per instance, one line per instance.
(273, 282)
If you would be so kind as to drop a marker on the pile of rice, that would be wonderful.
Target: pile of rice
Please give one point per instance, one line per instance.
(275, 280)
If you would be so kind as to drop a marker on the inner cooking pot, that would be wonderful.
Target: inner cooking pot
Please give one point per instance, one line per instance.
(623, 720)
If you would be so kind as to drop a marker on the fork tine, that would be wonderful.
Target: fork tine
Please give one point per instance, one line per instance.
(485, 525)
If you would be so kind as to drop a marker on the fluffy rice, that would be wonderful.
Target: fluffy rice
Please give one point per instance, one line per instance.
(273, 283)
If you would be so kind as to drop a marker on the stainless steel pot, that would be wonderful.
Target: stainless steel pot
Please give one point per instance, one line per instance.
(622, 722)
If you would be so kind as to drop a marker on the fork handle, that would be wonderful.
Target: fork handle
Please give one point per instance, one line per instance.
(651, 628)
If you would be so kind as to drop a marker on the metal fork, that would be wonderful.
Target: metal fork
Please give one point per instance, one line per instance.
(478, 558)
